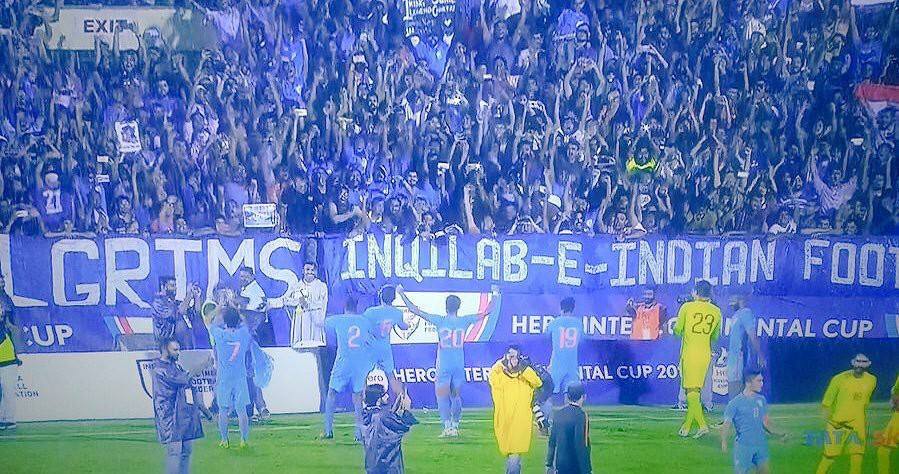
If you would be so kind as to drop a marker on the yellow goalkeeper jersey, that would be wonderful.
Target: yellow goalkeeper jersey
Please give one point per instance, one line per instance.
(847, 396)
(698, 324)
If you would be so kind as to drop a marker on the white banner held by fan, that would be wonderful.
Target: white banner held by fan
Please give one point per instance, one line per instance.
(128, 136)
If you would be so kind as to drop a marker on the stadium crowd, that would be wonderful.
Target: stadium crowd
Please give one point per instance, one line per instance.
(521, 116)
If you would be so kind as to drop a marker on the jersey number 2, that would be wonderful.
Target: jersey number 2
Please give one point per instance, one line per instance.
(353, 335)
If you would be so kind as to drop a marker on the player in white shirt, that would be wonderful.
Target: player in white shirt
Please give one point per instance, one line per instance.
(251, 292)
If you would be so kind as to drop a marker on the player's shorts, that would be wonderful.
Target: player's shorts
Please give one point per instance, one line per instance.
(383, 356)
(452, 376)
(749, 457)
(889, 437)
(348, 375)
(849, 440)
(693, 369)
(563, 377)
(232, 393)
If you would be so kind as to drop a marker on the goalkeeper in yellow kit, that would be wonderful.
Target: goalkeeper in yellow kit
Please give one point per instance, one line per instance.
(888, 439)
(698, 324)
(845, 401)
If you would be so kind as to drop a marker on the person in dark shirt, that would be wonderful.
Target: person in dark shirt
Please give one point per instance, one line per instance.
(26, 220)
(300, 207)
(569, 440)
(177, 418)
(383, 430)
(170, 317)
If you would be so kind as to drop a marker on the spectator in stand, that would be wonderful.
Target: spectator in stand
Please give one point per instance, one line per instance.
(171, 319)
(626, 119)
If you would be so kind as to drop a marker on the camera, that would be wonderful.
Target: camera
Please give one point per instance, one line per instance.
(524, 361)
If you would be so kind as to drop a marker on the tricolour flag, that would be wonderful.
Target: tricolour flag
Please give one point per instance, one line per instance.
(128, 325)
(877, 97)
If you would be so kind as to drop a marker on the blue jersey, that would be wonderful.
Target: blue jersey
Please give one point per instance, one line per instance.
(744, 322)
(231, 347)
(353, 337)
(451, 332)
(382, 319)
(566, 332)
(748, 416)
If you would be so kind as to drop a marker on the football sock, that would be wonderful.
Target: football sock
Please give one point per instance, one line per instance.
(883, 460)
(444, 406)
(223, 423)
(824, 465)
(244, 422)
(330, 400)
(456, 410)
(855, 464)
(692, 408)
(357, 412)
(694, 404)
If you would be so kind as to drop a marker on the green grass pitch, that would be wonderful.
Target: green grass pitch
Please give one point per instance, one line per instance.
(625, 440)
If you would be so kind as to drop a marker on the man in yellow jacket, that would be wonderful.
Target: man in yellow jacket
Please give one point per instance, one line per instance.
(512, 384)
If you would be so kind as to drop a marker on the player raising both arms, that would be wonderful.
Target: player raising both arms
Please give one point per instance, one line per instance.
(383, 318)
(889, 437)
(451, 331)
(351, 367)
(844, 404)
(747, 413)
(698, 324)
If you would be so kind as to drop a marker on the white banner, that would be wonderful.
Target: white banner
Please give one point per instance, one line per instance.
(128, 135)
(260, 215)
(117, 385)
(181, 29)
(868, 3)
